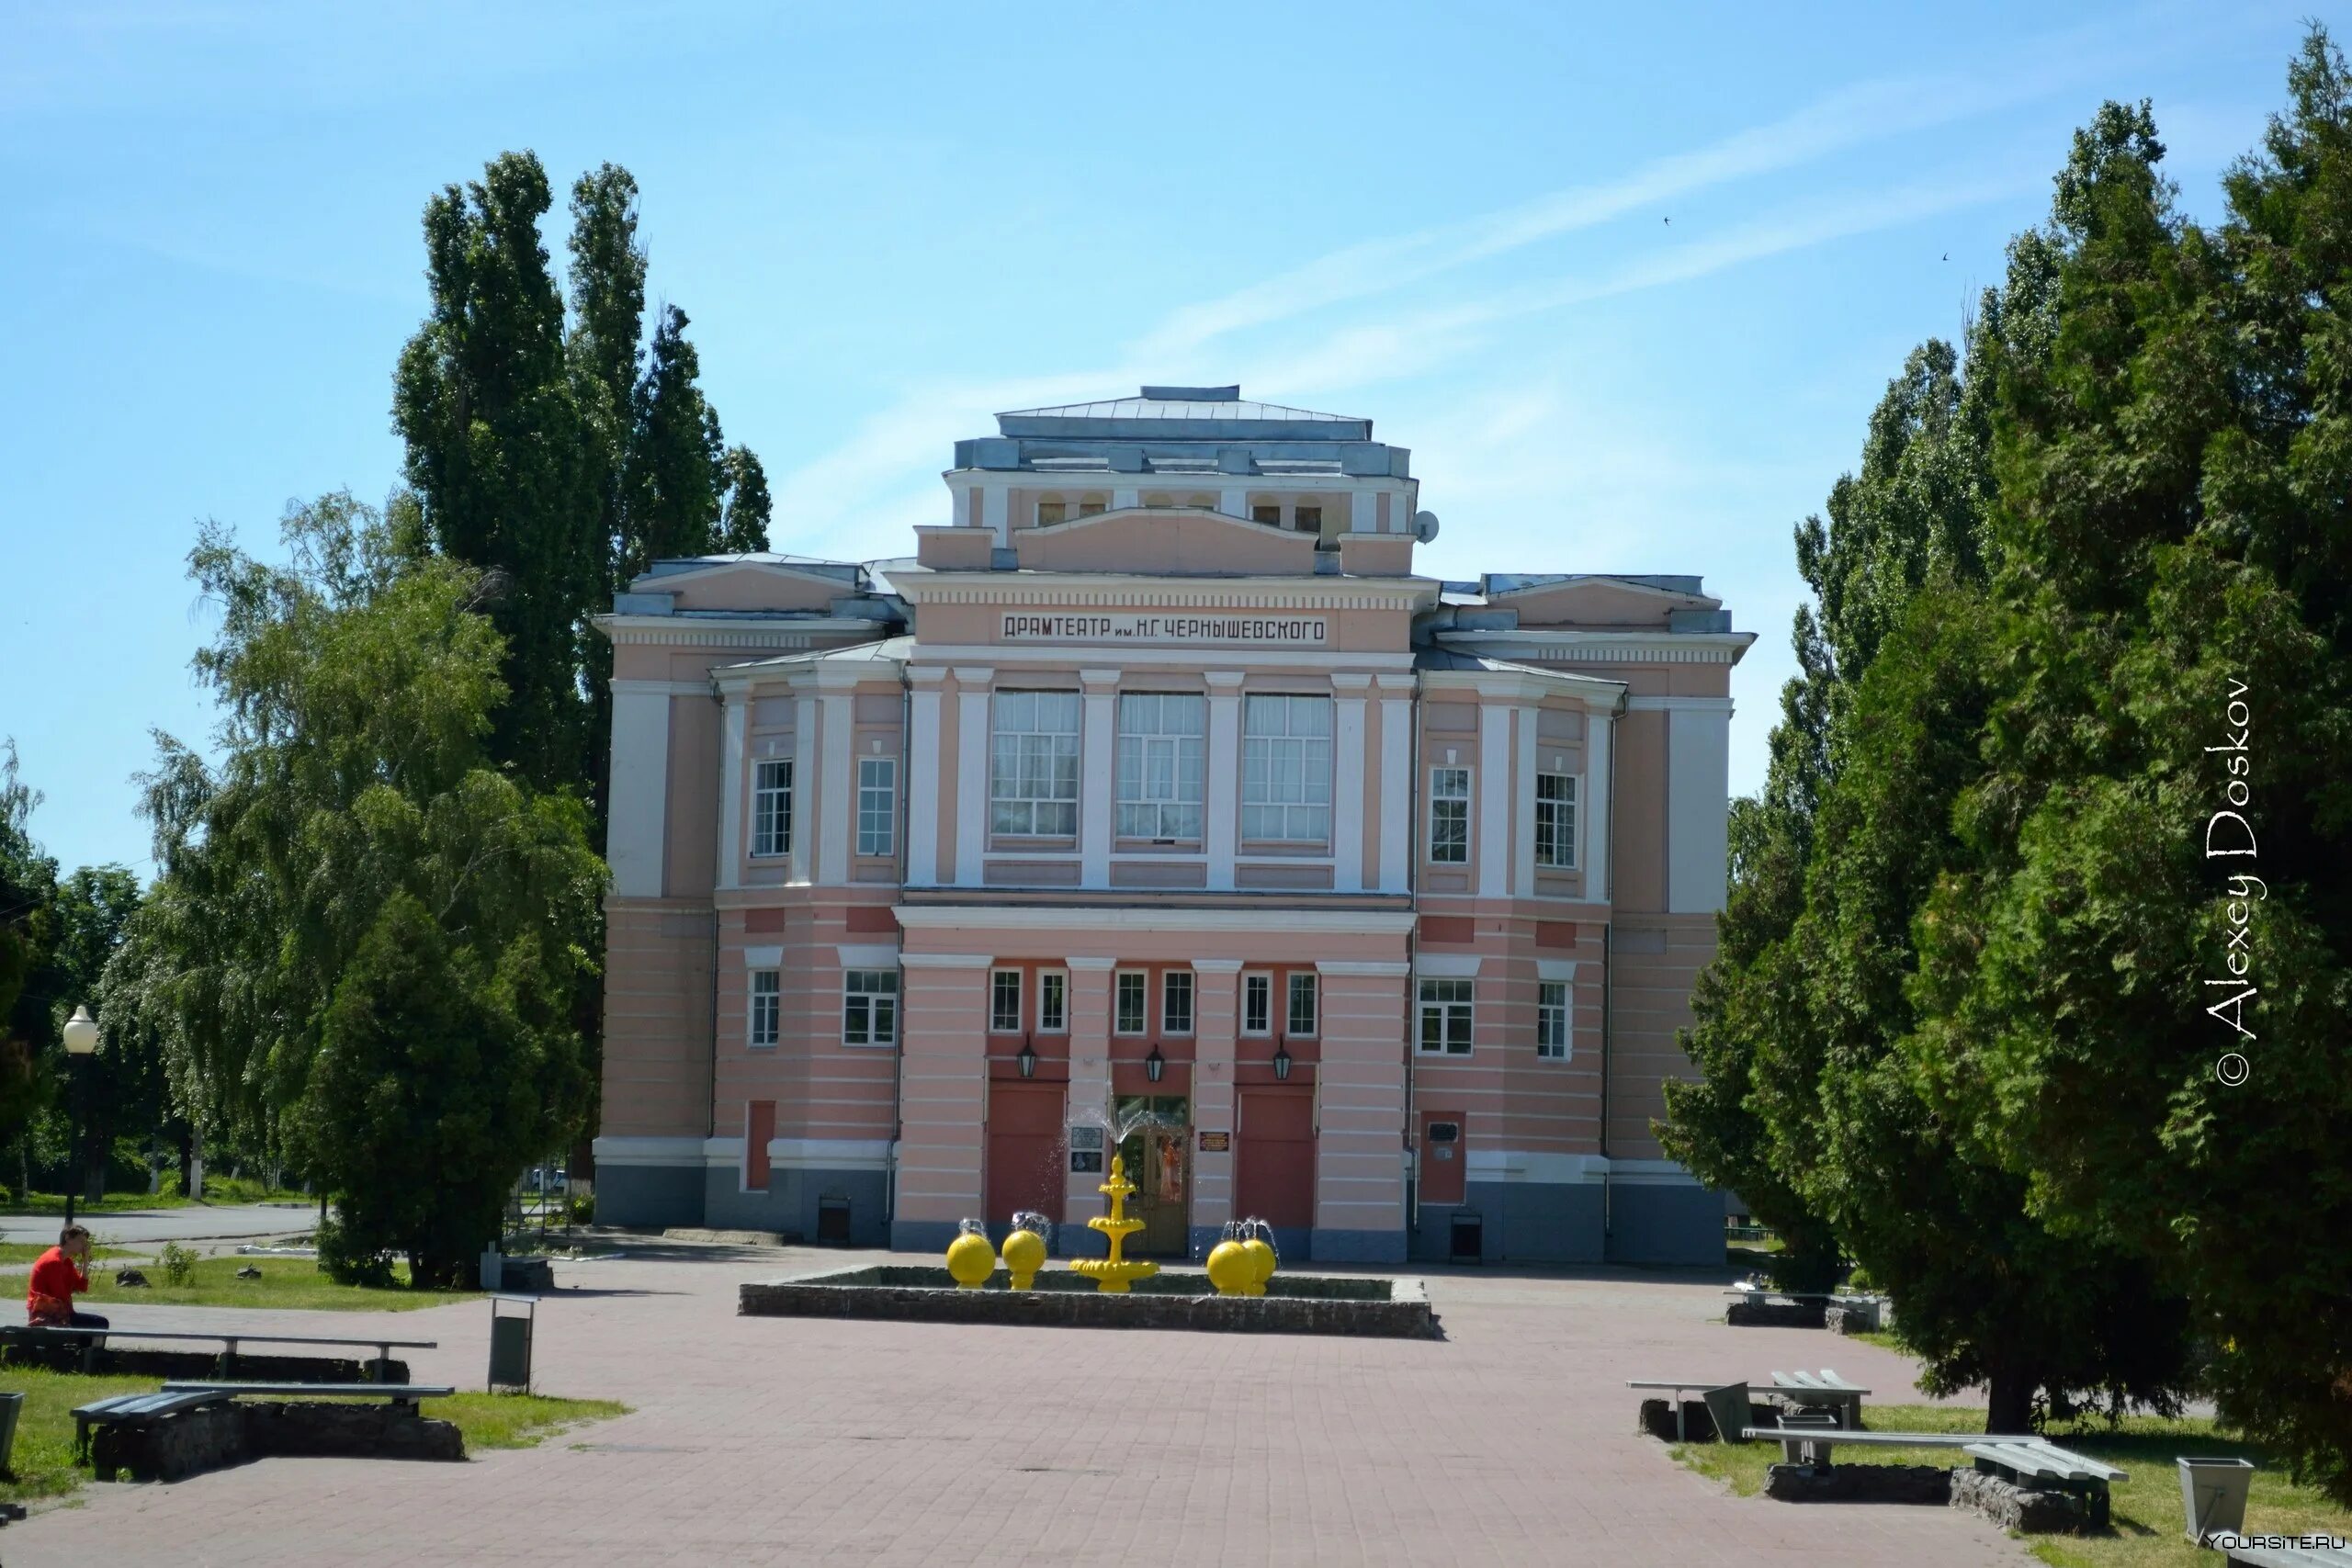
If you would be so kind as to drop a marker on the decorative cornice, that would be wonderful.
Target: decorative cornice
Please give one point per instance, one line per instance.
(1025, 589)
(1606, 647)
(945, 960)
(1086, 917)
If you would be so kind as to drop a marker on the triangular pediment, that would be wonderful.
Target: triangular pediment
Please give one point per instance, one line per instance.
(1177, 541)
(746, 584)
(1598, 602)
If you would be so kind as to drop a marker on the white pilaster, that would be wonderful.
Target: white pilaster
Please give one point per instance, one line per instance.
(804, 789)
(1594, 806)
(732, 765)
(1224, 775)
(840, 793)
(1363, 512)
(1123, 499)
(1095, 783)
(1698, 806)
(1523, 865)
(1395, 781)
(1233, 503)
(1347, 782)
(923, 778)
(996, 512)
(966, 514)
(637, 817)
(971, 772)
(1494, 800)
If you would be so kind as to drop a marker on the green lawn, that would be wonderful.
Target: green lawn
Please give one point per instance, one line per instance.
(217, 1190)
(43, 1464)
(284, 1282)
(30, 1251)
(2148, 1524)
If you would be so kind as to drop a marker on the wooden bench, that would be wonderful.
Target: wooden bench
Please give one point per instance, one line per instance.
(92, 1340)
(2033, 1460)
(395, 1393)
(1825, 1387)
(133, 1410)
(2287, 1556)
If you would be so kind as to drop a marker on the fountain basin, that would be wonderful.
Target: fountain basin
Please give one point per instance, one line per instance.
(1294, 1303)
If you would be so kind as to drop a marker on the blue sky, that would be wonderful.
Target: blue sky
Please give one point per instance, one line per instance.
(888, 222)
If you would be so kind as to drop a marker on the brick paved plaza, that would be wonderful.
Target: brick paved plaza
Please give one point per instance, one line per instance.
(759, 1441)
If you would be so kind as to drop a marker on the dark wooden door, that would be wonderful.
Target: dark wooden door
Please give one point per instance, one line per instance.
(1025, 1150)
(1273, 1159)
(759, 1126)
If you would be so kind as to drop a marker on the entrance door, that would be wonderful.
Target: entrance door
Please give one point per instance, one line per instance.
(1158, 1161)
(1444, 1156)
(759, 1127)
(1025, 1150)
(1273, 1166)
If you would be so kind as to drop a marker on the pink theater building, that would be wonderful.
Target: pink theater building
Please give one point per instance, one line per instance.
(1158, 779)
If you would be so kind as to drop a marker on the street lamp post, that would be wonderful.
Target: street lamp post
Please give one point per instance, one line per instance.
(81, 1041)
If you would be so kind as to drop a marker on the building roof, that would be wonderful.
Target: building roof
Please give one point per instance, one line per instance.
(1181, 429)
(1216, 403)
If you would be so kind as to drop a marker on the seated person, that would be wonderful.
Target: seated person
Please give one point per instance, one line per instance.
(57, 1275)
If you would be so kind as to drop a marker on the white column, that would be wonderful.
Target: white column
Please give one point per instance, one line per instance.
(971, 772)
(1523, 865)
(1494, 800)
(966, 514)
(732, 765)
(1698, 806)
(804, 789)
(996, 512)
(1233, 503)
(1347, 782)
(1364, 513)
(1593, 810)
(1224, 775)
(1095, 785)
(637, 808)
(1122, 499)
(923, 778)
(840, 795)
(1395, 782)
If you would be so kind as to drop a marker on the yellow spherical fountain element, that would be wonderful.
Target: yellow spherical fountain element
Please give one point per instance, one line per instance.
(970, 1259)
(1262, 1266)
(1111, 1274)
(1230, 1269)
(1024, 1254)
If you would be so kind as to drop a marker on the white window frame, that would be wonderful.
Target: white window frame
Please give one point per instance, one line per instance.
(1053, 985)
(763, 1009)
(1313, 988)
(1285, 770)
(877, 806)
(1162, 773)
(1174, 983)
(879, 1012)
(1452, 1001)
(1119, 989)
(1450, 808)
(1555, 1000)
(771, 808)
(1033, 768)
(1262, 980)
(1549, 820)
(997, 990)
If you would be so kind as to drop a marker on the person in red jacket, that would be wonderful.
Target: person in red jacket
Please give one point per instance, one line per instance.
(57, 1275)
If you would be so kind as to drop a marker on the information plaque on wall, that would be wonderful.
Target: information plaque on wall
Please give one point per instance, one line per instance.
(1086, 1138)
(1216, 1143)
(1086, 1160)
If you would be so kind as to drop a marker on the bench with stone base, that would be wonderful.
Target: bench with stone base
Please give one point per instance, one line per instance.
(2247, 1556)
(92, 1350)
(2013, 1479)
(191, 1428)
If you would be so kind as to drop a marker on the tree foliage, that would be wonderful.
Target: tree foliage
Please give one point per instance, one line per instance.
(28, 892)
(357, 812)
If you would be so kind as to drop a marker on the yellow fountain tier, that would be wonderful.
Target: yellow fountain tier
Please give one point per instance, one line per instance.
(1111, 1274)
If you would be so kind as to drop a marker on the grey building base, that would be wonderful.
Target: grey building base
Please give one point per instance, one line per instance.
(922, 1235)
(656, 1195)
(1355, 1246)
(1654, 1222)
(793, 1199)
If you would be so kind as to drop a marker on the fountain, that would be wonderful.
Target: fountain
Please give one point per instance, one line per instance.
(1025, 1248)
(1111, 1274)
(970, 1258)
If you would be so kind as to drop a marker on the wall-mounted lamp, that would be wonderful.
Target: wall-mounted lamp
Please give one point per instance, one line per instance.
(1028, 1060)
(1154, 1064)
(1282, 1063)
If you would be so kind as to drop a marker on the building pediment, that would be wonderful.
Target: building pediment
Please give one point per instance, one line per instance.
(1180, 542)
(1598, 602)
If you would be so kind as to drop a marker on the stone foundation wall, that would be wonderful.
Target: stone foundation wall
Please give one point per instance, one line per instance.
(194, 1442)
(1863, 1484)
(1405, 1314)
(1773, 1314)
(198, 1365)
(2028, 1510)
(1698, 1426)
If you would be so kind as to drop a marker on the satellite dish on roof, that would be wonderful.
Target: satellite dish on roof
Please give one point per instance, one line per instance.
(1425, 526)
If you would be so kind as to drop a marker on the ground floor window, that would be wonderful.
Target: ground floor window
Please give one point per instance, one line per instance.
(1257, 1004)
(1301, 1003)
(1445, 1018)
(870, 1007)
(1052, 1003)
(1176, 1002)
(1004, 1001)
(1552, 1020)
(1129, 1014)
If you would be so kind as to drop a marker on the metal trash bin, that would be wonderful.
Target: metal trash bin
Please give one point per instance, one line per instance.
(510, 1342)
(832, 1219)
(1467, 1233)
(2212, 1493)
(12, 1406)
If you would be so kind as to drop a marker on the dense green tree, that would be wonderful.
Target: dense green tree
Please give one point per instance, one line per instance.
(676, 478)
(2175, 643)
(503, 456)
(745, 527)
(122, 1092)
(357, 798)
(28, 892)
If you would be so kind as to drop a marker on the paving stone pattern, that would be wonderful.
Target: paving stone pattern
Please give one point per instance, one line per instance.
(792, 1440)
